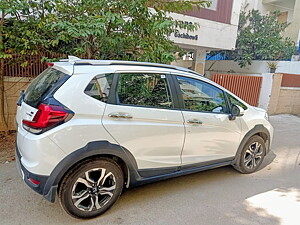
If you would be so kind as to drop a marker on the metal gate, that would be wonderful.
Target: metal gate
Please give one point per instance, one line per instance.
(245, 87)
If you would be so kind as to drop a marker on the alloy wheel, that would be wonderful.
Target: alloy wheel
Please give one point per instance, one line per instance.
(253, 155)
(93, 189)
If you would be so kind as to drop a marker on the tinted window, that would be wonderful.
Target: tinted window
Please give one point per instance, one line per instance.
(42, 85)
(99, 87)
(144, 90)
(201, 96)
(234, 101)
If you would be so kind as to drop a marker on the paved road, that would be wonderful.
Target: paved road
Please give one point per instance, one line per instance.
(219, 196)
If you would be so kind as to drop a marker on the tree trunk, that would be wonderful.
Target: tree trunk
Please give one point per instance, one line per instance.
(89, 50)
(3, 122)
(2, 99)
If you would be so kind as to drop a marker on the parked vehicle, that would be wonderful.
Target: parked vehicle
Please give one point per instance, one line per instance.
(87, 129)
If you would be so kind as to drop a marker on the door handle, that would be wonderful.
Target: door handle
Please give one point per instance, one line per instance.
(120, 115)
(194, 121)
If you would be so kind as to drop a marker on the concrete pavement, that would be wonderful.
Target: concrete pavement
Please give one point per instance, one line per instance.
(219, 196)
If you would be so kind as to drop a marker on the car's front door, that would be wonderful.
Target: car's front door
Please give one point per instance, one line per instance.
(210, 135)
(144, 121)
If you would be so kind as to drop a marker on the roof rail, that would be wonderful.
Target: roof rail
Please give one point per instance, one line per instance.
(77, 61)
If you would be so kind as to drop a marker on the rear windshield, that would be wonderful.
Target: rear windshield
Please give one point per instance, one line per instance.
(42, 85)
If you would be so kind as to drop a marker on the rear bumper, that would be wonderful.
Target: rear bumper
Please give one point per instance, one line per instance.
(26, 176)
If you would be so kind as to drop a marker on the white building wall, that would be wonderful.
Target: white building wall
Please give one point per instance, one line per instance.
(266, 89)
(289, 6)
(267, 8)
(257, 67)
(236, 9)
(212, 35)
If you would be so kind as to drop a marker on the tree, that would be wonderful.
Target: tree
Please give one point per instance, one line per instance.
(99, 29)
(113, 29)
(7, 8)
(260, 37)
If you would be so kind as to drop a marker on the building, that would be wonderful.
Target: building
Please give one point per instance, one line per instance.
(217, 31)
(289, 13)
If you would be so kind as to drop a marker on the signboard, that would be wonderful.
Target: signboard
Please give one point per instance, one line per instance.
(185, 35)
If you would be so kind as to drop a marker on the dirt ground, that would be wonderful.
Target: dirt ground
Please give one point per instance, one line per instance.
(7, 147)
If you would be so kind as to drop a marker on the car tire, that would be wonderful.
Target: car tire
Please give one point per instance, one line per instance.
(251, 156)
(91, 188)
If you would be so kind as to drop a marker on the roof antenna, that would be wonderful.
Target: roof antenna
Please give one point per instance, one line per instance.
(73, 58)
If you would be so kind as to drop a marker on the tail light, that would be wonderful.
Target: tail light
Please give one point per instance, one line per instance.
(47, 117)
(50, 64)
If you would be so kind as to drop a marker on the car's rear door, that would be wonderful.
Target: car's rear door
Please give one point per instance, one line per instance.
(142, 118)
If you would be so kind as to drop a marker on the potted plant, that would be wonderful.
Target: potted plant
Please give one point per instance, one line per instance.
(272, 66)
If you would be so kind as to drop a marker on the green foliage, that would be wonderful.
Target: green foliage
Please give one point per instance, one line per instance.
(272, 65)
(17, 34)
(100, 29)
(260, 37)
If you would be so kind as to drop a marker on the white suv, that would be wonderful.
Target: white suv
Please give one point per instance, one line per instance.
(89, 128)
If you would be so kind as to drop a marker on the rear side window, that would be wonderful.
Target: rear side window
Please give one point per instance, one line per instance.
(99, 87)
(144, 90)
(42, 85)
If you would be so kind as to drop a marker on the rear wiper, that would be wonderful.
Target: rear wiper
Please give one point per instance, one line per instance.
(20, 100)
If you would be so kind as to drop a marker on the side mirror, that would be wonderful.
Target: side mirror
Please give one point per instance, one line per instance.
(236, 111)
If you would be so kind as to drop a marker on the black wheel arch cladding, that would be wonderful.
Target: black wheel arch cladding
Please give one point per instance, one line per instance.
(259, 130)
(92, 149)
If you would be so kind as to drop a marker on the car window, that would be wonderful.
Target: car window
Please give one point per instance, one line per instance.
(42, 85)
(201, 97)
(144, 90)
(99, 87)
(234, 101)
